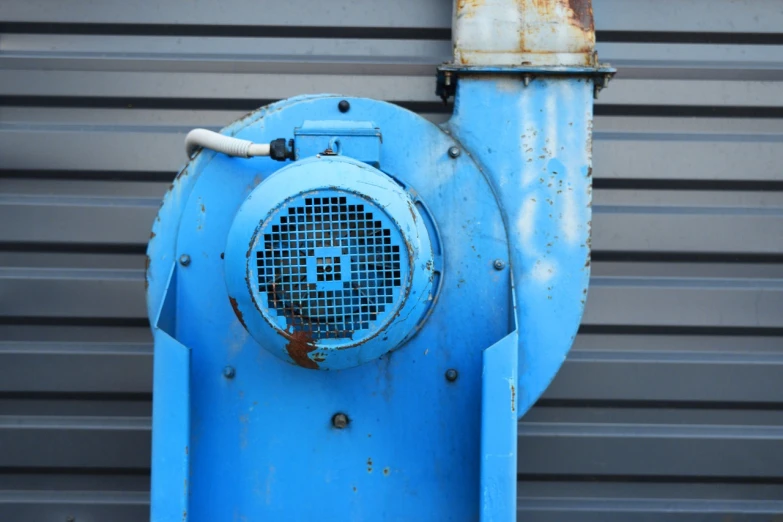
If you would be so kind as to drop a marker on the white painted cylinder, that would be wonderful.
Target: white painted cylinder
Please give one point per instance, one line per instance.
(524, 32)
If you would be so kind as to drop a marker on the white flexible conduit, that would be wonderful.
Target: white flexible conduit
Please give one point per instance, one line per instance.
(203, 138)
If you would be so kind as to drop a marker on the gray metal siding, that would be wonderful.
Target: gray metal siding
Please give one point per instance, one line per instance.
(670, 406)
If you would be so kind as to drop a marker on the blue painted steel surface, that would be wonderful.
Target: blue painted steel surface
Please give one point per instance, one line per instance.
(262, 443)
(499, 427)
(360, 140)
(417, 446)
(170, 415)
(537, 152)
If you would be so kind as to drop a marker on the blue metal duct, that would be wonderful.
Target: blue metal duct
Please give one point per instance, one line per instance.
(352, 307)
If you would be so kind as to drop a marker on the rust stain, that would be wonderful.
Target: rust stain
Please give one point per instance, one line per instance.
(147, 272)
(462, 5)
(582, 13)
(203, 208)
(237, 311)
(300, 344)
(412, 211)
(152, 235)
(513, 398)
(386, 472)
(369, 464)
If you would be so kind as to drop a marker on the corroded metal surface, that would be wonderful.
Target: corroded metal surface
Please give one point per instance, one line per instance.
(524, 32)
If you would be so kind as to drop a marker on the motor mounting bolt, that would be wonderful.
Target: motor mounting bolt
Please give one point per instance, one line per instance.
(454, 151)
(184, 260)
(339, 420)
(499, 264)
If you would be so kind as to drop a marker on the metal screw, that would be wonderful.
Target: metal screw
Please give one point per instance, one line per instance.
(184, 260)
(499, 264)
(339, 420)
(229, 372)
(454, 152)
(526, 79)
(344, 106)
(451, 375)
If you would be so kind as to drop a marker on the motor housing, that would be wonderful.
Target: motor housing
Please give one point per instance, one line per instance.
(329, 263)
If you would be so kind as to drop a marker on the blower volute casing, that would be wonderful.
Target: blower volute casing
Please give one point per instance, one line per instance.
(353, 333)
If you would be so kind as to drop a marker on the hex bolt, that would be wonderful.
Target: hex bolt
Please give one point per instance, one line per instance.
(184, 260)
(229, 372)
(454, 151)
(339, 420)
(499, 264)
(344, 106)
(451, 375)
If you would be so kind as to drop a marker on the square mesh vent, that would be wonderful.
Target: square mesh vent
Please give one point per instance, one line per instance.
(330, 265)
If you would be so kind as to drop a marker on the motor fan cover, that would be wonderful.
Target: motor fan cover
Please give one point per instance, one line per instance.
(329, 263)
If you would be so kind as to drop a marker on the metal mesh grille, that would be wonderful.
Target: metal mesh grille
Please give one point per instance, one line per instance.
(331, 265)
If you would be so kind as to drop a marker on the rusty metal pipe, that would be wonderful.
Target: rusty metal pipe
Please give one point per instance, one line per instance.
(524, 32)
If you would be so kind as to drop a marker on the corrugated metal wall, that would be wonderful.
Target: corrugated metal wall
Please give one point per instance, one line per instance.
(670, 407)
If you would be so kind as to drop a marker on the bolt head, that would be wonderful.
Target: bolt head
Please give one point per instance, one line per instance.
(451, 375)
(229, 372)
(454, 151)
(499, 264)
(184, 260)
(344, 106)
(339, 420)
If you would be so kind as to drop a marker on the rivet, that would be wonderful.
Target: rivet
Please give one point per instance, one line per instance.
(499, 264)
(339, 420)
(184, 260)
(451, 375)
(454, 152)
(229, 372)
(344, 106)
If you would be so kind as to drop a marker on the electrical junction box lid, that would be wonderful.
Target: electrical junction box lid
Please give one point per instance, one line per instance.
(356, 139)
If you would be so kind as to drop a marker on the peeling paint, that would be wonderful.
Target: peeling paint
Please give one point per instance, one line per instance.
(299, 346)
(237, 311)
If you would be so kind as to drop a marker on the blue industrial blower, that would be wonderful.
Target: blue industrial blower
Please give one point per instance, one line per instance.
(353, 306)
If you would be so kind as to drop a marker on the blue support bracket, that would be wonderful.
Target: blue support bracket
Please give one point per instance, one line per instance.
(499, 426)
(170, 415)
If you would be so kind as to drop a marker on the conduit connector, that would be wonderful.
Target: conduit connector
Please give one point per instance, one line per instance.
(202, 138)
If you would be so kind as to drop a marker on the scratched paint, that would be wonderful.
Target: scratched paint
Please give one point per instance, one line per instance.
(546, 195)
